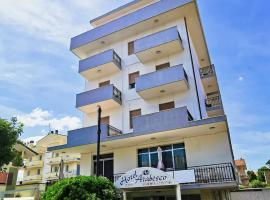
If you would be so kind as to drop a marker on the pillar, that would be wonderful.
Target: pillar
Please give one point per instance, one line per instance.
(178, 192)
(124, 195)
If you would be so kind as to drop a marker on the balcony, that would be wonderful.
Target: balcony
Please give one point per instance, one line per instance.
(158, 45)
(54, 160)
(88, 135)
(100, 65)
(209, 80)
(32, 179)
(213, 105)
(52, 176)
(162, 82)
(70, 174)
(201, 176)
(161, 121)
(34, 163)
(68, 159)
(107, 97)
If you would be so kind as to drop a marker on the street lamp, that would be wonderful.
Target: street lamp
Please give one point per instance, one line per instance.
(98, 140)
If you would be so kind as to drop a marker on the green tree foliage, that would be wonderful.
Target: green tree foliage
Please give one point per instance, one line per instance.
(83, 188)
(251, 175)
(261, 176)
(9, 134)
(268, 163)
(257, 184)
(17, 160)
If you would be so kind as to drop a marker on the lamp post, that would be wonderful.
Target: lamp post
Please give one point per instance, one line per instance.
(98, 140)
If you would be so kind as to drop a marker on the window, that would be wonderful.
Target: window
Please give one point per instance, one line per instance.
(132, 79)
(104, 83)
(162, 66)
(106, 165)
(28, 173)
(166, 106)
(55, 169)
(173, 157)
(38, 172)
(105, 120)
(131, 48)
(67, 168)
(57, 154)
(133, 113)
(40, 157)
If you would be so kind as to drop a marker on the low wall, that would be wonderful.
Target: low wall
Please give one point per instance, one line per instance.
(255, 194)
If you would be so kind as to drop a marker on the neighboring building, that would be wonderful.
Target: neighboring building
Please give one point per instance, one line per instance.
(44, 168)
(9, 176)
(241, 168)
(147, 65)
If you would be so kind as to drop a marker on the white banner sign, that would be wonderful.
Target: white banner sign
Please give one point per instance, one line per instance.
(144, 177)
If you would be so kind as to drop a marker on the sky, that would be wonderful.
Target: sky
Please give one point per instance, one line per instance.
(39, 79)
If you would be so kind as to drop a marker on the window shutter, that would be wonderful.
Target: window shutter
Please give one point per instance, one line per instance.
(104, 83)
(166, 106)
(131, 48)
(162, 66)
(133, 113)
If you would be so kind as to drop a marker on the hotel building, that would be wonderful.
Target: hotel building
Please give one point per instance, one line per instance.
(147, 65)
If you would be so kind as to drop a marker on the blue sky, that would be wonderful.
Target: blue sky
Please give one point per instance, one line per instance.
(39, 79)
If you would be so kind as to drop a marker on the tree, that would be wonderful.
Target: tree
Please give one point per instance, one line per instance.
(251, 175)
(261, 176)
(9, 134)
(83, 188)
(257, 184)
(268, 163)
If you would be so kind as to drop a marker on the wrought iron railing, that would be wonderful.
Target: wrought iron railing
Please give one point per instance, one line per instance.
(116, 58)
(112, 131)
(213, 101)
(117, 94)
(208, 71)
(216, 173)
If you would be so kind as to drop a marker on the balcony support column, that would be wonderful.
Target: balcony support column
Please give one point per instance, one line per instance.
(178, 192)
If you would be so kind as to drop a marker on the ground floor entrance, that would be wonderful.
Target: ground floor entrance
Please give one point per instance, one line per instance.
(184, 197)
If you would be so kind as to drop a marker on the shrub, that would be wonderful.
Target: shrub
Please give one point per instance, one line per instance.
(257, 184)
(81, 188)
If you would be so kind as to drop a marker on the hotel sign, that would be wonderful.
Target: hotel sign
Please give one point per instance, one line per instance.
(144, 177)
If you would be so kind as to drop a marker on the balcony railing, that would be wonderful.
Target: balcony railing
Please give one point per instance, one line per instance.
(213, 101)
(107, 97)
(214, 173)
(165, 120)
(170, 80)
(100, 65)
(112, 131)
(34, 163)
(159, 44)
(208, 71)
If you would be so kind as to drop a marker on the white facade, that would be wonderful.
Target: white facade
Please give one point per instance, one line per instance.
(204, 139)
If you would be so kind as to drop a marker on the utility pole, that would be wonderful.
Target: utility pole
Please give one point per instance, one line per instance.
(98, 140)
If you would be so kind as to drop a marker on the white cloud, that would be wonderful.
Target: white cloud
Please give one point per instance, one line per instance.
(240, 78)
(49, 20)
(39, 117)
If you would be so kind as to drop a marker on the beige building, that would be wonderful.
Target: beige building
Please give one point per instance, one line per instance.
(241, 168)
(44, 167)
